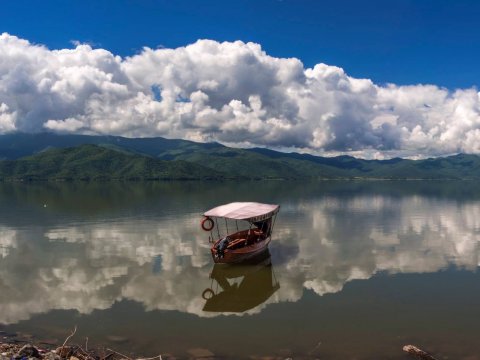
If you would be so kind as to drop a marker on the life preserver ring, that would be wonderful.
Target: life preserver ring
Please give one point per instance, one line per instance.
(207, 224)
(207, 294)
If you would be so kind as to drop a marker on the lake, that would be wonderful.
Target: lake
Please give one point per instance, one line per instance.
(356, 270)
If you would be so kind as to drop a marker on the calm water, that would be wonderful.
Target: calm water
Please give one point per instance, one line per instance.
(357, 269)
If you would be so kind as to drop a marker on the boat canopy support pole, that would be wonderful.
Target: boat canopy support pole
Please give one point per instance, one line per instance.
(273, 224)
(218, 227)
(226, 225)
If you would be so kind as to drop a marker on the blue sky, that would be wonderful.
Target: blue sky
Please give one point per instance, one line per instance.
(373, 79)
(403, 42)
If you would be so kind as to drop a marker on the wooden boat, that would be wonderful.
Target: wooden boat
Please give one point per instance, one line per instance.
(252, 235)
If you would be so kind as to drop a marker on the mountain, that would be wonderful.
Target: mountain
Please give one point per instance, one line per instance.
(234, 163)
(50, 156)
(267, 163)
(17, 145)
(92, 162)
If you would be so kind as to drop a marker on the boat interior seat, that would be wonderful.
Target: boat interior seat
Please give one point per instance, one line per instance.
(246, 239)
(236, 243)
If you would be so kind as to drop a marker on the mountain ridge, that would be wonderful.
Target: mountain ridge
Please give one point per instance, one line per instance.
(159, 158)
(93, 162)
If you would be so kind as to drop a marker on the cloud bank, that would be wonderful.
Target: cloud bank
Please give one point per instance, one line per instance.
(231, 92)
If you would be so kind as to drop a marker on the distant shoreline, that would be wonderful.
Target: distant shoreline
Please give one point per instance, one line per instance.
(48, 157)
(105, 180)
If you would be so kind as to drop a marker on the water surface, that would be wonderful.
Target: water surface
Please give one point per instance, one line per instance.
(357, 269)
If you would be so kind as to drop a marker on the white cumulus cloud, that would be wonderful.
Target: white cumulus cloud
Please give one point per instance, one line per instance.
(231, 92)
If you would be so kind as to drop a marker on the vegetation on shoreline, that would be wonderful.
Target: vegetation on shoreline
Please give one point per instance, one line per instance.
(92, 162)
(30, 157)
(21, 350)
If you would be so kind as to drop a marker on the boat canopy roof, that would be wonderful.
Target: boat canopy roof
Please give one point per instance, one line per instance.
(249, 211)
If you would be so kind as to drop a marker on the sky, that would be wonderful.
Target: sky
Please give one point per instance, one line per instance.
(374, 79)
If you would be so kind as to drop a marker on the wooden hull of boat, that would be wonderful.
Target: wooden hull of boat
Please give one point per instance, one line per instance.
(234, 256)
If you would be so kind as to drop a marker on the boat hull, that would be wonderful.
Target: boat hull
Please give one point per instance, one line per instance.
(234, 256)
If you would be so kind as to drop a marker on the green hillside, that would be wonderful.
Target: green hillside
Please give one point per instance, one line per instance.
(244, 163)
(264, 163)
(91, 162)
(17, 145)
(110, 157)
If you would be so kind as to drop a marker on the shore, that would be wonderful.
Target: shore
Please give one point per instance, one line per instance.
(22, 351)
(13, 347)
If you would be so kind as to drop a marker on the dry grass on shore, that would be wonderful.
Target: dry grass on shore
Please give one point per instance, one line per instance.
(21, 351)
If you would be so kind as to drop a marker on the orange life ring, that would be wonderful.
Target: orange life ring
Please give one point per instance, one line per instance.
(209, 226)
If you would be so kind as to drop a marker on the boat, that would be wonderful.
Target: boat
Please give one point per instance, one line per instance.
(252, 225)
(241, 287)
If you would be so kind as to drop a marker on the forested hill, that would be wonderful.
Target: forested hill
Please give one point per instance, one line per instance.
(49, 156)
(92, 162)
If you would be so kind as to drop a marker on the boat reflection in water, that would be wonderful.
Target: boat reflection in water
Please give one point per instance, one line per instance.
(241, 287)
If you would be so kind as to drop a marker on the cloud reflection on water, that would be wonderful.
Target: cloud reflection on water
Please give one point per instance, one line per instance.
(163, 261)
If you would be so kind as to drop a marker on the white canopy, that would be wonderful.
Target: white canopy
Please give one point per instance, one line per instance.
(249, 211)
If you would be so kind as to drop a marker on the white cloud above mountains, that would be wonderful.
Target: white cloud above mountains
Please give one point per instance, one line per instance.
(231, 92)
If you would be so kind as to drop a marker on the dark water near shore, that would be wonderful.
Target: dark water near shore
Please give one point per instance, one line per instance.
(357, 269)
